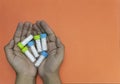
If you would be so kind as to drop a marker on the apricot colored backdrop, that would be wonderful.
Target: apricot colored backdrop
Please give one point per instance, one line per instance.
(88, 28)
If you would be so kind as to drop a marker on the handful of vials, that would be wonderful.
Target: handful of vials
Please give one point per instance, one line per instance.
(35, 48)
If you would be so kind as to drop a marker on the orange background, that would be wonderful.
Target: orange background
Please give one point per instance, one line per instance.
(88, 28)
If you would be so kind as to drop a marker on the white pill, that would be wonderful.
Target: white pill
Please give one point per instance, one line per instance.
(38, 43)
(41, 58)
(33, 49)
(28, 54)
(44, 41)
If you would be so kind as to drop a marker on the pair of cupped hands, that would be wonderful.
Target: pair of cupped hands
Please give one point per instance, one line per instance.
(24, 68)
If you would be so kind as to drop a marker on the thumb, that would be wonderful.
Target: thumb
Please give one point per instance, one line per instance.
(9, 50)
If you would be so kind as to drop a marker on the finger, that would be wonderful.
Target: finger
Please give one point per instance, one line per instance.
(36, 28)
(18, 32)
(34, 32)
(60, 50)
(9, 51)
(39, 26)
(25, 30)
(29, 30)
(47, 29)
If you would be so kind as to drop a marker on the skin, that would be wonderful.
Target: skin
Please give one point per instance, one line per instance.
(25, 70)
(49, 69)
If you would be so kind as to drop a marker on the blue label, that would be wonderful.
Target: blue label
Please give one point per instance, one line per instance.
(30, 43)
(44, 53)
(44, 35)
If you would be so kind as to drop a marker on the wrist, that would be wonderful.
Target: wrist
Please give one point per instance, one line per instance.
(25, 76)
(25, 79)
(53, 78)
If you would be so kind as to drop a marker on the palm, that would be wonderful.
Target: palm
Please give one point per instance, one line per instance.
(22, 65)
(48, 65)
(16, 58)
(55, 49)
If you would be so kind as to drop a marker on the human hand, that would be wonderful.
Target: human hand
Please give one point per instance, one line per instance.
(25, 69)
(49, 68)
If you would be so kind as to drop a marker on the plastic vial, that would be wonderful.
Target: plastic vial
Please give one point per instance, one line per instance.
(41, 58)
(25, 41)
(44, 41)
(38, 43)
(28, 54)
(33, 49)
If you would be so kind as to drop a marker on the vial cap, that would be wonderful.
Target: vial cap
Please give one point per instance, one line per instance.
(36, 37)
(20, 45)
(44, 35)
(24, 49)
(45, 54)
(30, 43)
